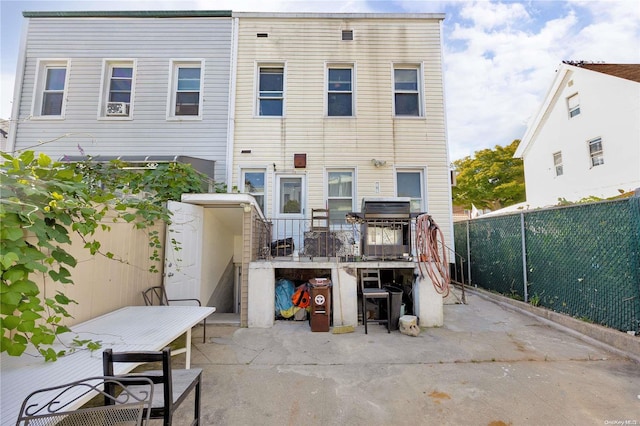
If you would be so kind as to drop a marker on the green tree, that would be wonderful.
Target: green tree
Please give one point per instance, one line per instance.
(41, 203)
(491, 178)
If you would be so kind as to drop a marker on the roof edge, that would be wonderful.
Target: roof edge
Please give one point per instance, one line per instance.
(325, 15)
(130, 14)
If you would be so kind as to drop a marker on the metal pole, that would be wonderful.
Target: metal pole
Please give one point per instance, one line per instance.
(468, 253)
(524, 258)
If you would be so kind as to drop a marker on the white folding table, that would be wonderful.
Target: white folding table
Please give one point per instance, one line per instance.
(133, 328)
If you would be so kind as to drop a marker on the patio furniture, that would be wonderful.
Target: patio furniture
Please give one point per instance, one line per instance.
(157, 296)
(55, 404)
(171, 386)
(133, 328)
(375, 292)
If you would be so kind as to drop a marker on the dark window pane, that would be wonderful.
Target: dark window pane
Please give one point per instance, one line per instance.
(187, 103)
(122, 72)
(407, 104)
(271, 107)
(340, 79)
(186, 109)
(338, 210)
(120, 97)
(409, 184)
(271, 80)
(254, 182)
(55, 78)
(290, 195)
(340, 184)
(121, 85)
(259, 200)
(189, 73)
(340, 104)
(52, 104)
(406, 79)
(188, 84)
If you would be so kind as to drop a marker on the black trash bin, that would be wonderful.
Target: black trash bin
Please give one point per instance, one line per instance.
(395, 302)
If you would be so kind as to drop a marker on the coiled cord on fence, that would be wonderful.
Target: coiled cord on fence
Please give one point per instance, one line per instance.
(431, 253)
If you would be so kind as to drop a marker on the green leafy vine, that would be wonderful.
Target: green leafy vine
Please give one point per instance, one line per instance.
(41, 203)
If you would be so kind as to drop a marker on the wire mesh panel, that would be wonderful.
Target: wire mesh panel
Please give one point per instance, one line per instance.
(460, 243)
(496, 254)
(582, 260)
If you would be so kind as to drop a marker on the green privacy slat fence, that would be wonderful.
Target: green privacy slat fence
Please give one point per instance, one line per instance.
(581, 260)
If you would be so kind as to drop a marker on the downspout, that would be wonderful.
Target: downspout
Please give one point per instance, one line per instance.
(231, 113)
(17, 88)
(446, 145)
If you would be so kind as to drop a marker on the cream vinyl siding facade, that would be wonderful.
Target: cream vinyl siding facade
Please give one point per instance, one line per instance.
(306, 45)
(149, 42)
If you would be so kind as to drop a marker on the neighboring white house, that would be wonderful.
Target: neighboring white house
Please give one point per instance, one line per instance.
(585, 139)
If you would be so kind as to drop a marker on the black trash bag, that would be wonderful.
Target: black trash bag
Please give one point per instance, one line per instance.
(282, 247)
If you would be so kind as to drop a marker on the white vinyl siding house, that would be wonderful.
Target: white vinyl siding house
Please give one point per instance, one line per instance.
(134, 86)
(366, 105)
(585, 139)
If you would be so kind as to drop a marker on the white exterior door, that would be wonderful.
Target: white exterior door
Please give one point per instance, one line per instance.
(289, 206)
(183, 251)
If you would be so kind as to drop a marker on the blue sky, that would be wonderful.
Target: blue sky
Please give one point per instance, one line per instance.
(499, 56)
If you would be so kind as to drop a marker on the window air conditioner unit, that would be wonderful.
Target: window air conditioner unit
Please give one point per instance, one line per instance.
(117, 108)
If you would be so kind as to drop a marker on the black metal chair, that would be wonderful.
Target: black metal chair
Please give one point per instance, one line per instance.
(157, 296)
(371, 288)
(171, 387)
(119, 407)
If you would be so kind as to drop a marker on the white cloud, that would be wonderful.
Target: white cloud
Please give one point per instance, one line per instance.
(6, 94)
(500, 57)
(487, 16)
(497, 79)
(613, 35)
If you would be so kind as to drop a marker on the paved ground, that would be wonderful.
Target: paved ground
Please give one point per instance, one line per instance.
(486, 366)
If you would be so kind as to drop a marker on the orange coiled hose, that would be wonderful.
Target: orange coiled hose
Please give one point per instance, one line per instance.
(431, 253)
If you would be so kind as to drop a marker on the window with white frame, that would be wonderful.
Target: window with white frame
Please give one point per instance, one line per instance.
(340, 194)
(406, 91)
(253, 183)
(271, 91)
(573, 104)
(118, 89)
(557, 163)
(340, 91)
(290, 195)
(595, 152)
(409, 183)
(49, 97)
(186, 94)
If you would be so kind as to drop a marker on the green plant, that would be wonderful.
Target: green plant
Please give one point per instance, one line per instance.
(535, 300)
(41, 203)
(291, 206)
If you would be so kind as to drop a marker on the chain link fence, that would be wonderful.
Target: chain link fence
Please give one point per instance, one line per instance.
(582, 260)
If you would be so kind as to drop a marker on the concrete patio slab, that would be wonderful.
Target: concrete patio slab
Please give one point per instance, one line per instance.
(487, 365)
